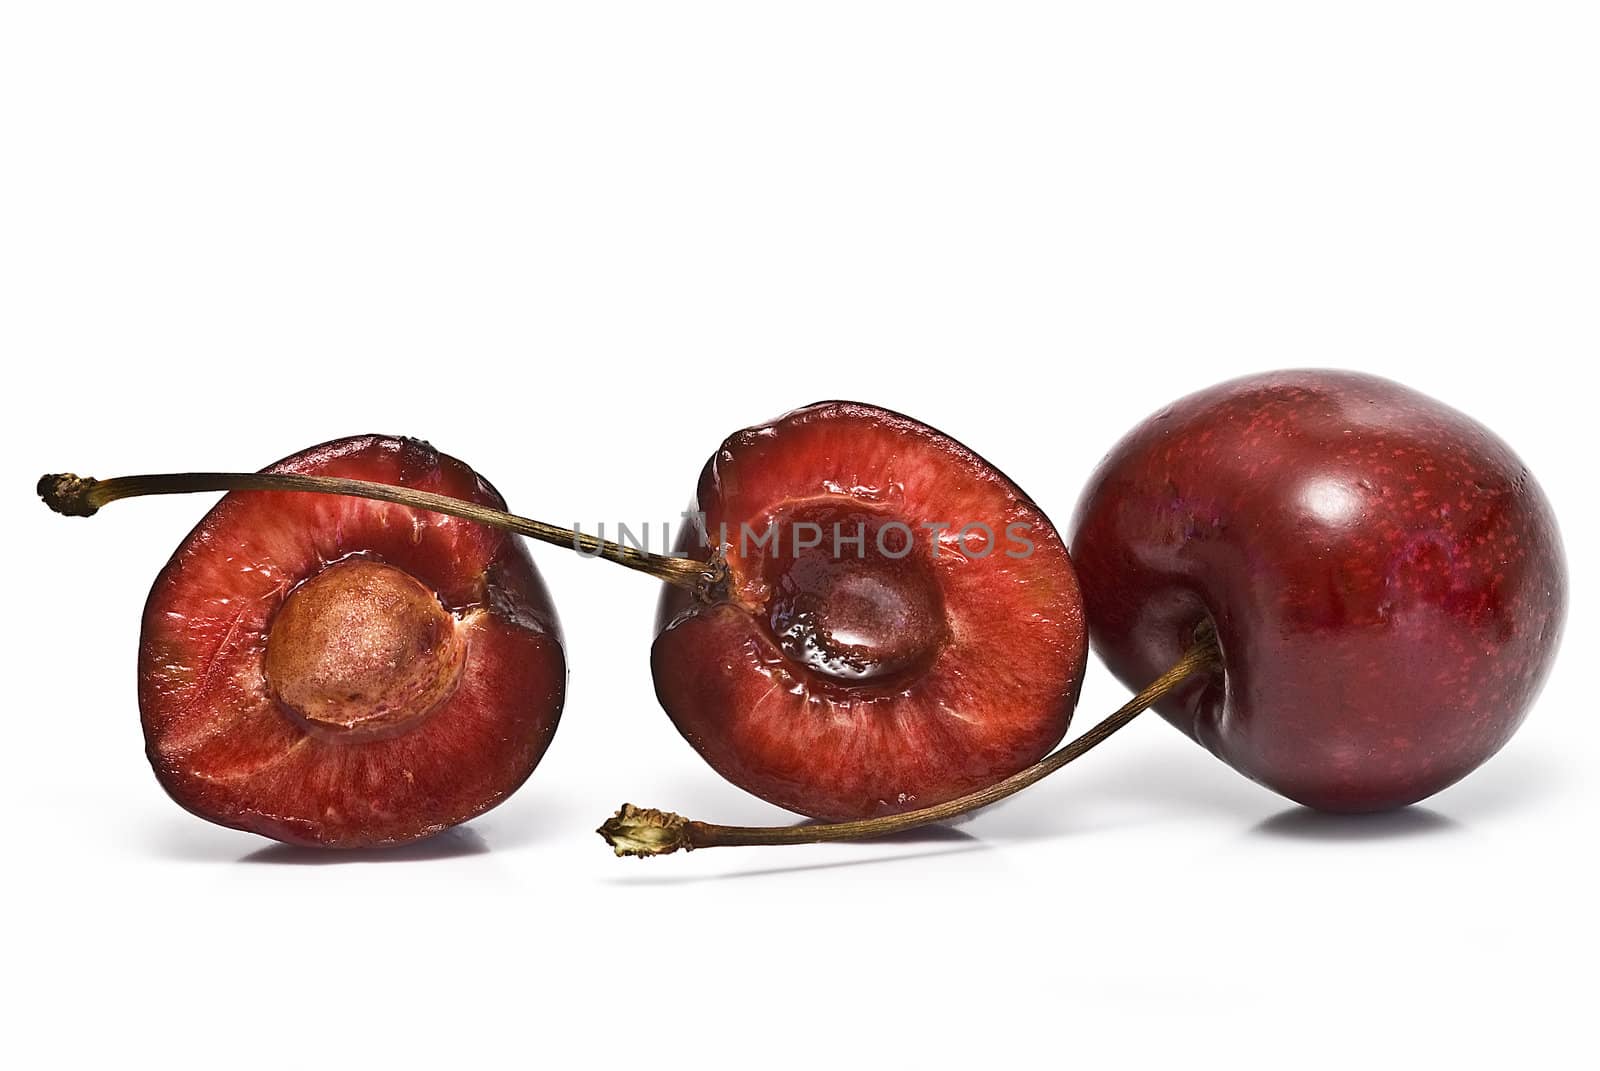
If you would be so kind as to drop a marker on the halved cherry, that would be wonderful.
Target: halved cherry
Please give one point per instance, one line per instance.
(350, 649)
(900, 623)
(342, 672)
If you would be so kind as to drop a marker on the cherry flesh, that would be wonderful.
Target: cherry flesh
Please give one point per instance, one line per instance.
(341, 672)
(864, 660)
(1385, 578)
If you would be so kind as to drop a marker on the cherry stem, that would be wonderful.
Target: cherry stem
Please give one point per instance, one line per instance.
(645, 831)
(82, 496)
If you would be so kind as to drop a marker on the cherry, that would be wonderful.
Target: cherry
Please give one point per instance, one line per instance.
(342, 672)
(1384, 575)
(1346, 590)
(901, 624)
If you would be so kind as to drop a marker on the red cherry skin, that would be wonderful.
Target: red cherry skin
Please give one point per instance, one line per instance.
(1385, 577)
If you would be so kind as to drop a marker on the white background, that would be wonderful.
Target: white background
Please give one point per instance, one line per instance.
(578, 248)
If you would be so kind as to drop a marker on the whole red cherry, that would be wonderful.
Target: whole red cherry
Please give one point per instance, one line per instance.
(1384, 576)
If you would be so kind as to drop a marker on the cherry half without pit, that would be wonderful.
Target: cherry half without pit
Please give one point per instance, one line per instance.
(901, 627)
(901, 624)
(1346, 590)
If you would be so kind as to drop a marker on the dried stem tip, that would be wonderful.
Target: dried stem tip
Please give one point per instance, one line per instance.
(645, 831)
(68, 494)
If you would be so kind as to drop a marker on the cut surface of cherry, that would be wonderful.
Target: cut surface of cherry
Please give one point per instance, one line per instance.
(342, 672)
(1385, 579)
(866, 660)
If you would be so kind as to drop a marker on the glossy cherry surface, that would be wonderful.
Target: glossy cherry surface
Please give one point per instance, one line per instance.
(1385, 577)
(901, 666)
(340, 672)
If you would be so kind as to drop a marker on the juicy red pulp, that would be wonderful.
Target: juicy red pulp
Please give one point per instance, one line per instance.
(843, 679)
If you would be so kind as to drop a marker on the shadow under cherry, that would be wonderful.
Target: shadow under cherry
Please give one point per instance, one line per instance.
(1304, 824)
(455, 843)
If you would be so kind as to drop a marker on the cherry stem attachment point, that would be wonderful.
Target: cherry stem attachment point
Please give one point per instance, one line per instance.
(643, 831)
(82, 496)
